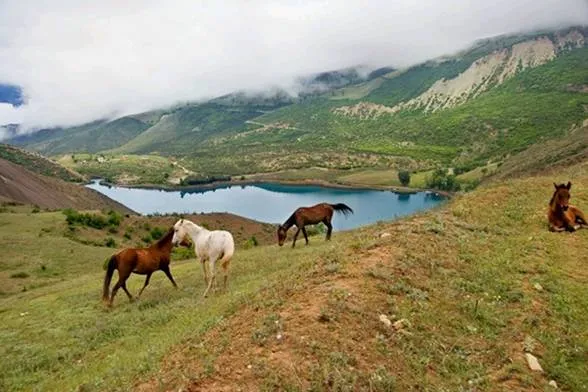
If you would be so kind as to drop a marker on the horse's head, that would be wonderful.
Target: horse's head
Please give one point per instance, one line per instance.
(282, 232)
(180, 233)
(561, 197)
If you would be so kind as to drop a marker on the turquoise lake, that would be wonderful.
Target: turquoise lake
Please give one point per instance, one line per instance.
(274, 203)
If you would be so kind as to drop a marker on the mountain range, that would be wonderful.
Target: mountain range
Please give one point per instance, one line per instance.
(469, 109)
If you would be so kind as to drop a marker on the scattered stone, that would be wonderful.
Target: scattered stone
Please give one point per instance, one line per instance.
(538, 287)
(553, 384)
(385, 320)
(24, 314)
(279, 336)
(533, 362)
(249, 366)
(401, 324)
(385, 235)
(529, 344)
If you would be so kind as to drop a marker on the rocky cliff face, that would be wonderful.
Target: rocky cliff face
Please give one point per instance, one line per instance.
(484, 73)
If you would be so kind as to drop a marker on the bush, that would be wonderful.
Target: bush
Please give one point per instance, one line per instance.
(192, 180)
(110, 242)
(443, 181)
(157, 233)
(251, 242)
(95, 221)
(404, 177)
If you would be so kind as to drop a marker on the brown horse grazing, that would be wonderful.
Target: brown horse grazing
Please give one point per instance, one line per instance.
(562, 215)
(142, 261)
(303, 216)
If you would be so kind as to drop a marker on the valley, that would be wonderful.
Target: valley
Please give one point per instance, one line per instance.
(457, 297)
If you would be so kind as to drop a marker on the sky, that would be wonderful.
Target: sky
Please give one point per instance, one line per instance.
(79, 61)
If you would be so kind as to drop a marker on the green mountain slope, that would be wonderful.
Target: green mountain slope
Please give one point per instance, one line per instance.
(488, 102)
(93, 137)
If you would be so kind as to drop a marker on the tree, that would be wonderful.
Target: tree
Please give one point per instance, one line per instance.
(404, 177)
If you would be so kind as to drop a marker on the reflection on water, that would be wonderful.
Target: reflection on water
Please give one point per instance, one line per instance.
(274, 203)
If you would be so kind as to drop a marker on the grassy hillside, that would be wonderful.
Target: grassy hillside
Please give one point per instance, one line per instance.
(477, 286)
(37, 163)
(179, 130)
(92, 137)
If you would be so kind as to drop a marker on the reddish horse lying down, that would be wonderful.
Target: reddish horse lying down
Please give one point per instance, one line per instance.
(303, 216)
(562, 215)
(142, 261)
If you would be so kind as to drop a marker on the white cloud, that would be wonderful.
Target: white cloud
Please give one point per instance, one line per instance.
(78, 62)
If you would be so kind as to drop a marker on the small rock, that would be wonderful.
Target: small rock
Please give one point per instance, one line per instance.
(538, 287)
(529, 344)
(279, 336)
(385, 235)
(249, 366)
(24, 314)
(553, 384)
(385, 320)
(533, 362)
(400, 324)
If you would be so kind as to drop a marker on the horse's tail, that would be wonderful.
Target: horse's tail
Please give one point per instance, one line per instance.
(343, 208)
(110, 267)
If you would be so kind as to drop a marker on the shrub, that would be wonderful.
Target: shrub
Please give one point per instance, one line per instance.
(404, 177)
(157, 233)
(443, 181)
(110, 242)
(95, 221)
(251, 242)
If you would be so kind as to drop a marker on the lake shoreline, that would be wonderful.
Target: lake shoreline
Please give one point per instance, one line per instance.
(252, 182)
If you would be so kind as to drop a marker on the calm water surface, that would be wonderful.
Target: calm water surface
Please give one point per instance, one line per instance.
(274, 203)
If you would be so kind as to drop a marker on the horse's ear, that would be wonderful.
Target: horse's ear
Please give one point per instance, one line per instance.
(555, 185)
(569, 185)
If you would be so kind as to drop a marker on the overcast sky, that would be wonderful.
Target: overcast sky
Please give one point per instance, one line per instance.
(78, 62)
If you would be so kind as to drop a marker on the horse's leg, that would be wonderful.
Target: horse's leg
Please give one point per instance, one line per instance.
(295, 236)
(205, 272)
(166, 270)
(211, 262)
(145, 285)
(569, 222)
(113, 292)
(305, 236)
(579, 217)
(122, 279)
(124, 287)
(225, 265)
(327, 223)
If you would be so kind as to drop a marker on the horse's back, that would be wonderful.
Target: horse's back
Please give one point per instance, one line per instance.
(219, 243)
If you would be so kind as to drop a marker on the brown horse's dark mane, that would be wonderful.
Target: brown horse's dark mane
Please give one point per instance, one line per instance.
(165, 239)
(291, 221)
(552, 201)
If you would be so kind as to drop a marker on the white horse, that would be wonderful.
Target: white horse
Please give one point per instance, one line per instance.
(208, 245)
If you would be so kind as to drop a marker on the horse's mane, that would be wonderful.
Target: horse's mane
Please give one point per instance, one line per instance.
(291, 221)
(165, 239)
(553, 197)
